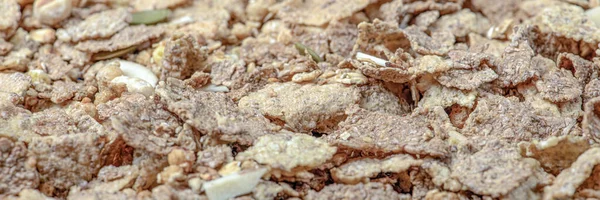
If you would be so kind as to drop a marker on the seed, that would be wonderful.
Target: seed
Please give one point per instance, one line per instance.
(113, 54)
(303, 49)
(150, 17)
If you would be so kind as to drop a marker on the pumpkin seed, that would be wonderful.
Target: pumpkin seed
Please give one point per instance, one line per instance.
(150, 17)
(303, 49)
(113, 54)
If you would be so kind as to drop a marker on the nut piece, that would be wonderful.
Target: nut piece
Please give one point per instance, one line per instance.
(51, 12)
(135, 85)
(181, 158)
(45, 35)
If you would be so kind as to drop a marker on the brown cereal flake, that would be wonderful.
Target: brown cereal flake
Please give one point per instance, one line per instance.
(100, 25)
(361, 170)
(67, 160)
(379, 132)
(303, 107)
(315, 12)
(142, 122)
(490, 171)
(559, 86)
(581, 68)
(462, 23)
(130, 36)
(515, 65)
(356, 192)
(17, 169)
(591, 90)
(226, 70)
(287, 151)
(591, 118)
(466, 79)
(9, 18)
(183, 56)
(500, 117)
(439, 43)
(555, 153)
(213, 113)
(56, 67)
(567, 182)
(378, 99)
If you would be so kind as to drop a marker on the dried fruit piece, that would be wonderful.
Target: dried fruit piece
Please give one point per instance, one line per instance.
(149, 17)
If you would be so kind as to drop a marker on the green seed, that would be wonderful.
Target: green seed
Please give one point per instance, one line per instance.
(150, 17)
(113, 54)
(303, 49)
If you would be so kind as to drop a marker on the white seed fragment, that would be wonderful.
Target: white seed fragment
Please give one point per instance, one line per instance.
(215, 88)
(369, 58)
(233, 185)
(135, 70)
(135, 85)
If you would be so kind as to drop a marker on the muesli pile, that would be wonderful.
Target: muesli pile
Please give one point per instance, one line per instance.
(299, 99)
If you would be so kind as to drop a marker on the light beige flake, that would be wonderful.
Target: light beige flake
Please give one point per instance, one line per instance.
(567, 21)
(303, 107)
(100, 25)
(360, 170)
(286, 151)
(438, 95)
(315, 12)
(16, 83)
